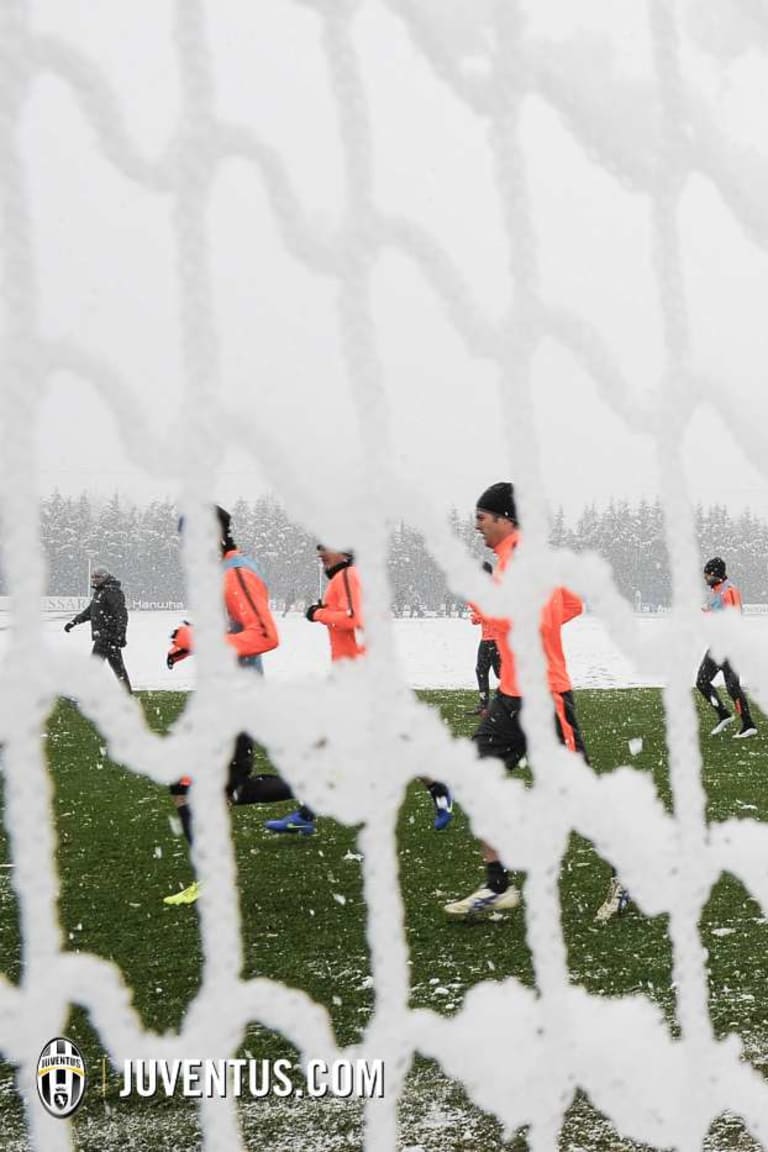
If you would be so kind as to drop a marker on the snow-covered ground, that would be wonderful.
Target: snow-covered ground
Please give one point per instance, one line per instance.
(434, 652)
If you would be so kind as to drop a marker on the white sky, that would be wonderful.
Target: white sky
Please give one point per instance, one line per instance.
(108, 281)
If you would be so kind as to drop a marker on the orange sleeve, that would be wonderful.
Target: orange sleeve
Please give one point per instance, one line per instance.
(572, 605)
(553, 615)
(497, 627)
(182, 644)
(247, 603)
(732, 597)
(349, 615)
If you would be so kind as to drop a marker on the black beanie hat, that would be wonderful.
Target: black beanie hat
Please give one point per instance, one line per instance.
(715, 567)
(341, 551)
(500, 500)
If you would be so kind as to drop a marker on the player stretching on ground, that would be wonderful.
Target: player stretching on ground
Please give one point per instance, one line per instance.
(723, 594)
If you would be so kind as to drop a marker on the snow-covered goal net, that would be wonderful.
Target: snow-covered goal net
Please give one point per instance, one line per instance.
(395, 177)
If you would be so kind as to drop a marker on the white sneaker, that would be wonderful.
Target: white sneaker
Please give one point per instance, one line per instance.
(722, 724)
(615, 902)
(750, 730)
(484, 900)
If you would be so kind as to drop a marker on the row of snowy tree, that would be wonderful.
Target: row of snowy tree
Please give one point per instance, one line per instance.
(141, 546)
(632, 540)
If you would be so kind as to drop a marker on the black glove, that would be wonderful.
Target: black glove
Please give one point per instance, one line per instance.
(68, 626)
(310, 612)
(175, 655)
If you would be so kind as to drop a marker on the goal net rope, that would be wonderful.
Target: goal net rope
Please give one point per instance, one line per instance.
(521, 1052)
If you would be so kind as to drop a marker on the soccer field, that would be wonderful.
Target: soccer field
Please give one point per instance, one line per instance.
(303, 922)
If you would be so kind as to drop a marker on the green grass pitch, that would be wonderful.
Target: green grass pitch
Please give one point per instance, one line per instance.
(118, 857)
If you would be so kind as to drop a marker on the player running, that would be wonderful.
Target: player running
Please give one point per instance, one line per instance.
(341, 611)
(500, 734)
(723, 595)
(488, 657)
(251, 632)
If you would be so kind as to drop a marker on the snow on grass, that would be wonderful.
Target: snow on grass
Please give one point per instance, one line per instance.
(434, 652)
(158, 948)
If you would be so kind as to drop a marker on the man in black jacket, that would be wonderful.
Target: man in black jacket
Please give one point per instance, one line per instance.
(109, 620)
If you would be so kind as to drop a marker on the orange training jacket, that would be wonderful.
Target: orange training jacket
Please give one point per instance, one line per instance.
(499, 628)
(561, 607)
(723, 595)
(342, 613)
(252, 629)
(486, 624)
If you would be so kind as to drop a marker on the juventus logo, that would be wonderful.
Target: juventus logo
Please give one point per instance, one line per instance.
(61, 1077)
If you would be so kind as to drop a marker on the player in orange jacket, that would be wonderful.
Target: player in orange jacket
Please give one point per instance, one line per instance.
(723, 596)
(500, 734)
(562, 606)
(488, 656)
(341, 611)
(341, 607)
(251, 631)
